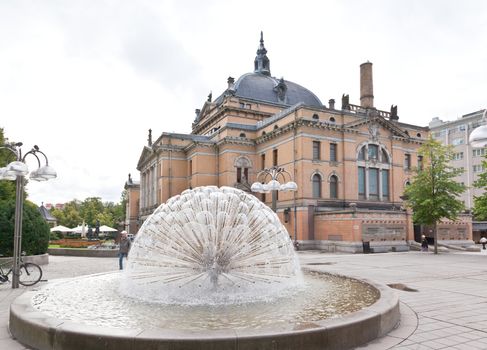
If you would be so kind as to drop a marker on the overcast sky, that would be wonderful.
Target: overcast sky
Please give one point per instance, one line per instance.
(85, 80)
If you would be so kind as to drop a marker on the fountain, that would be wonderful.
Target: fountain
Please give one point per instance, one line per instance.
(210, 268)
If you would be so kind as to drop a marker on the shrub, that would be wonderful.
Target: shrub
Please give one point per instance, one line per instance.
(35, 231)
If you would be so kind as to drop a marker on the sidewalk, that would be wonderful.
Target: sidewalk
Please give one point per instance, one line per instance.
(443, 301)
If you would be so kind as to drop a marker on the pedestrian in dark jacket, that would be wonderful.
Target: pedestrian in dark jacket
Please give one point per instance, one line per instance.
(424, 244)
(124, 249)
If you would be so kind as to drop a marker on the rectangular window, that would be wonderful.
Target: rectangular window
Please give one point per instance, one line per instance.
(274, 157)
(385, 184)
(262, 161)
(478, 152)
(373, 183)
(190, 168)
(420, 162)
(458, 156)
(333, 152)
(478, 168)
(407, 161)
(361, 182)
(459, 141)
(316, 150)
(239, 175)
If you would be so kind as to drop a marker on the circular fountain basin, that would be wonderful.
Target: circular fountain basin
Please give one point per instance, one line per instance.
(328, 312)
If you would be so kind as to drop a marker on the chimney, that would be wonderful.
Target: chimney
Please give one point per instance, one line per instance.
(331, 103)
(366, 85)
(230, 82)
(149, 139)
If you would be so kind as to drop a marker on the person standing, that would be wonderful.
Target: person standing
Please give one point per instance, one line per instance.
(124, 248)
(424, 244)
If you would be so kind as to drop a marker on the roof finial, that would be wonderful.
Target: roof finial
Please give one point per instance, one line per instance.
(261, 62)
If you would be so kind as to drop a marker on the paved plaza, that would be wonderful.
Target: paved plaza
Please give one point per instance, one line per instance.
(443, 297)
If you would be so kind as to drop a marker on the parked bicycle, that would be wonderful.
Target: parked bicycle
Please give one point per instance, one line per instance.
(29, 273)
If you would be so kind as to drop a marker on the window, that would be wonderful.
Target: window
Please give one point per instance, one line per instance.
(333, 152)
(316, 150)
(242, 165)
(361, 182)
(361, 154)
(407, 161)
(385, 184)
(458, 156)
(315, 116)
(242, 135)
(385, 157)
(262, 161)
(332, 119)
(373, 173)
(373, 152)
(274, 157)
(333, 186)
(462, 127)
(245, 173)
(477, 152)
(190, 168)
(276, 127)
(478, 168)
(316, 186)
(418, 135)
(373, 183)
(420, 162)
(459, 141)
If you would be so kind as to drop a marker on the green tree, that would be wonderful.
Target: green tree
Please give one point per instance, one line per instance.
(433, 193)
(480, 202)
(69, 216)
(89, 210)
(35, 230)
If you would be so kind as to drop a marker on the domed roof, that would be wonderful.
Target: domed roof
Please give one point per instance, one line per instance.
(261, 87)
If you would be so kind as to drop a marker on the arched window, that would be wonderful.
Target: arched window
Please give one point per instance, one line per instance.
(373, 163)
(332, 119)
(385, 157)
(315, 116)
(333, 186)
(242, 134)
(276, 127)
(316, 186)
(242, 165)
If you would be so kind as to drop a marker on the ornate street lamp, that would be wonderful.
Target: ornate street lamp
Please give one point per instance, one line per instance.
(275, 173)
(17, 170)
(478, 137)
(273, 185)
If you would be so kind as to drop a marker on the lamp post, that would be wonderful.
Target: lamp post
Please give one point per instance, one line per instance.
(17, 170)
(275, 173)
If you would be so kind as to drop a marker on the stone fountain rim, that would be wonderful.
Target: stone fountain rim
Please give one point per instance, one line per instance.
(41, 331)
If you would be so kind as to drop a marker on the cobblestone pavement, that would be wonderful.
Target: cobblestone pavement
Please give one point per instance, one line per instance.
(443, 301)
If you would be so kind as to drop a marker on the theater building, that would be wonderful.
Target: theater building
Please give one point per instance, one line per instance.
(351, 162)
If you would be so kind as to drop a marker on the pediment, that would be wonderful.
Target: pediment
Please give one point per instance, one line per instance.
(144, 157)
(374, 122)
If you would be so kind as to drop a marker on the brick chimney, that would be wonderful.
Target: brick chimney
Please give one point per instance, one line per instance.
(366, 85)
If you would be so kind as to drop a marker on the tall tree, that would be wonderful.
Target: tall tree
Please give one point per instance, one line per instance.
(433, 193)
(480, 202)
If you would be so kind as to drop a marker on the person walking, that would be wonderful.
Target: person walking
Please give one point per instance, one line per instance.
(124, 248)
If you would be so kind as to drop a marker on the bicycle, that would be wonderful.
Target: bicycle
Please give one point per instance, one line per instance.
(29, 273)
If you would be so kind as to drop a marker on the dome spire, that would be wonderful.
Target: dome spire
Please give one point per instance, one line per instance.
(261, 62)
